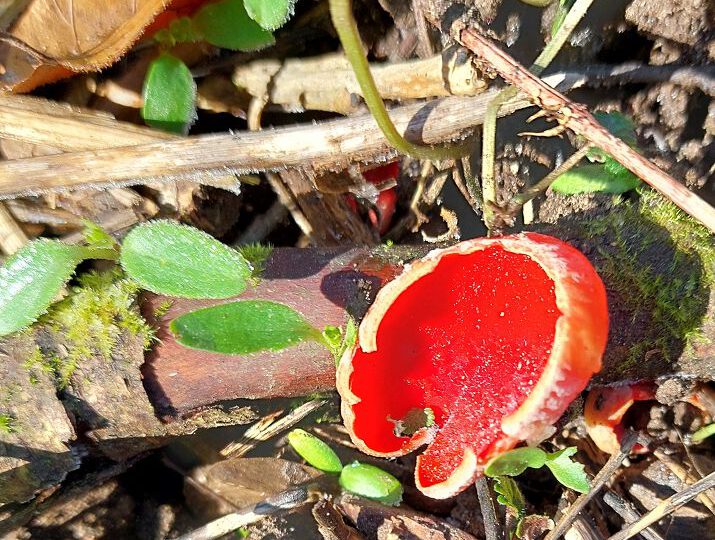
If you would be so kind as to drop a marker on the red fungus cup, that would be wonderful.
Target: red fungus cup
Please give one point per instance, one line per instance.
(487, 342)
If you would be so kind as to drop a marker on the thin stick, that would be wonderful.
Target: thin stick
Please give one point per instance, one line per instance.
(608, 470)
(577, 118)
(489, 129)
(285, 500)
(489, 515)
(518, 201)
(268, 427)
(12, 237)
(629, 514)
(687, 478)
(666, 507)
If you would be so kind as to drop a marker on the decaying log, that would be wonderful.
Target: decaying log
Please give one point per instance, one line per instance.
(659, 290)
(660, 299)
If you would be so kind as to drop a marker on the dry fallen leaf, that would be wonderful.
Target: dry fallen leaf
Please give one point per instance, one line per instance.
(53, 38)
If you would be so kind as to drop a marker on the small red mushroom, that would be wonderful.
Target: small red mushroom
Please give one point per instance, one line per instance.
(490, 338)
(605, 408)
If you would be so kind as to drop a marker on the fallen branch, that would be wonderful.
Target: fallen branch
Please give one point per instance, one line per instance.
(326, 145)
(576, 117)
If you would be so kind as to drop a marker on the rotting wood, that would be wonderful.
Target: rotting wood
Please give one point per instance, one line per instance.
(327, 83)
(12, 237)
(642, 345)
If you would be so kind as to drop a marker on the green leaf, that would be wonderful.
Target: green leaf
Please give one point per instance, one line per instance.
(270, 14)
(569, 473)
(703, 433)
(97, 237)
(593, 177)
(314, 451)
(509, 494)
(169, 95)
(243, 327)
(619, 125)
(514, 462)
(226, 24)
(371, 482)
(32, 278)
(169, 258)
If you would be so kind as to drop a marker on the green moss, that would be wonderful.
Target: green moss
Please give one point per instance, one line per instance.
(8, 424)
(257, 254)
(676, 294)
(91, 319)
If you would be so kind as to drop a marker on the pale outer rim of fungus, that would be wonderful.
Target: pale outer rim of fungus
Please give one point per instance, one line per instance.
(541, 408)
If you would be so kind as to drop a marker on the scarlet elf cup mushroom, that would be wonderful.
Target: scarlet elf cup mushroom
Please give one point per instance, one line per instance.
(493, 338)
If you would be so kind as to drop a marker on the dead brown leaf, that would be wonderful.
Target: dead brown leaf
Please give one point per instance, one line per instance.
(53, 38)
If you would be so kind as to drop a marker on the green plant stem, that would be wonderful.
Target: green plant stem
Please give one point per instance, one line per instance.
(489, 127)
(344, 22)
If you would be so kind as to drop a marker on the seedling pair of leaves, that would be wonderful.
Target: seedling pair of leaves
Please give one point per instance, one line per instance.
(171, 259)
(568, 472)
(239, 25)
(604, 174)
(359, 478)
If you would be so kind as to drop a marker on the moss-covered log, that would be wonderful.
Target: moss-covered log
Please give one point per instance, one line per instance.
(68, 372)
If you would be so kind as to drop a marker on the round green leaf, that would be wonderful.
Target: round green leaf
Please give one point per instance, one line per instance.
(169, 258)
(169, 95)
(226, 24)
(515, 462)
(243, 327)
(270, 14)
(32, 278)
(371, 482)
(567, 472)
(314, 451)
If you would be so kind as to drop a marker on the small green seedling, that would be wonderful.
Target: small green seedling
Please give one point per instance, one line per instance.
(168, 258)
(169, 95)
(240, 25)
(33, 277)
(359, 478)
(604, 174)
(243, 327)
(567, 472)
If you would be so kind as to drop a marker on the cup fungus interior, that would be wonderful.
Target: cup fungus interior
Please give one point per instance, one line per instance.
(469, 341)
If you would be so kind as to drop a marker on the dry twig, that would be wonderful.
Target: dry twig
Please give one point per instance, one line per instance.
(331, 144)
(666, 507)
(629, 514)
(12, 237)
(489, 515)
(285, 500)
